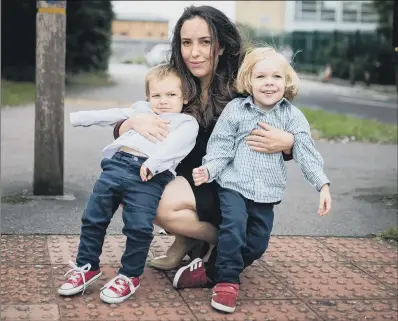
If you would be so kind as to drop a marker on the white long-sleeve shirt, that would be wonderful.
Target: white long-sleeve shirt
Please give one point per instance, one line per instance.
(162, 155)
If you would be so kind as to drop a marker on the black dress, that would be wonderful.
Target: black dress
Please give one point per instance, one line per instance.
(206, 196)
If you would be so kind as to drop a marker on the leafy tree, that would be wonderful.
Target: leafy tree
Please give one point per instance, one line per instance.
(385, 9)
(88, 37)
(18, 40)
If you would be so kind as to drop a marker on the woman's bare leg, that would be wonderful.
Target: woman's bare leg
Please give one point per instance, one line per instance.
(177, 213)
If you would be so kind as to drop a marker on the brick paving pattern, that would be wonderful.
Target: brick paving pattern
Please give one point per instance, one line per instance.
(299, 278)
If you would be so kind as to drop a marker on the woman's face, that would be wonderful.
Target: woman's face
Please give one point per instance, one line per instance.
(196, 48)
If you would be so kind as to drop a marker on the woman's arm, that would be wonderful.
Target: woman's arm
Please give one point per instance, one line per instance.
(116, 129)
(271, 140)
(152, 127)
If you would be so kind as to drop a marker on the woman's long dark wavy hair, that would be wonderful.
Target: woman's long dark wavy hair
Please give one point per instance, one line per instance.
(222, 85)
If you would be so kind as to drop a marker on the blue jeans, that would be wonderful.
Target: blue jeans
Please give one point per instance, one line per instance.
(244, 234)
(120, 182)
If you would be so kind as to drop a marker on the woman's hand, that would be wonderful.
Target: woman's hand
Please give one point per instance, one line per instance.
(270, 140)
(152, 127)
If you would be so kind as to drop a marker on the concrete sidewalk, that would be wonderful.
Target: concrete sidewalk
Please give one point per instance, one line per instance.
(299, 278)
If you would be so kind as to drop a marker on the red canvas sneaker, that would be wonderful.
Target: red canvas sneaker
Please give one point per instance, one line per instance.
(119, 289)
(79, 280)
(192, 275)
(225, 296)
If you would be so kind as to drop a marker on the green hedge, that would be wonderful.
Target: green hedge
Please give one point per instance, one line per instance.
(354, 52)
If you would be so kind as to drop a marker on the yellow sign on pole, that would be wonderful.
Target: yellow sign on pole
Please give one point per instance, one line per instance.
(52, 10)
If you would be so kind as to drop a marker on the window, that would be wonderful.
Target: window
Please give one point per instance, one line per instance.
(306, 10)
(351, 11)
(368, 13)
(328, 11)
(315, 10)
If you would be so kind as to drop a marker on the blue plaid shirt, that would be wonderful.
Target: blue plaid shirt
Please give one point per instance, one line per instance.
(258, 176)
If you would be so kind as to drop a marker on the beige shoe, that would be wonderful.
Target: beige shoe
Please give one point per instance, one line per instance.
(174, 255)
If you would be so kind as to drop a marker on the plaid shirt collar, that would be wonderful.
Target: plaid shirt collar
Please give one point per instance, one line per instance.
(249, 103)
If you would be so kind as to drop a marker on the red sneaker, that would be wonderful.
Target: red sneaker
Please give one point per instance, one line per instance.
(192, 275)
(80, 279)
(225, 296)
(119, 289)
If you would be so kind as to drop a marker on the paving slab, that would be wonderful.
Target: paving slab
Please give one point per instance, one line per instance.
(298, 279)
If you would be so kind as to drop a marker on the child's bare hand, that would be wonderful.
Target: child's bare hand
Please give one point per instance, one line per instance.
(200, 175)
(145, 173)
(325, 201)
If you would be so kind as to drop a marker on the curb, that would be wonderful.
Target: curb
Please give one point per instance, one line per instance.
(387, 89)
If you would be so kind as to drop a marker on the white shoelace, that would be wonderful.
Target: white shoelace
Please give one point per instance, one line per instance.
(118, 284)
(78, 272)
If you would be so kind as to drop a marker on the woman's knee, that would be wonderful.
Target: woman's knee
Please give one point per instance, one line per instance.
(165, 214)
(170, 204)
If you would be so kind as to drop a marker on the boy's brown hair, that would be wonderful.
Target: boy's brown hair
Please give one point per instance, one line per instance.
(159, 72)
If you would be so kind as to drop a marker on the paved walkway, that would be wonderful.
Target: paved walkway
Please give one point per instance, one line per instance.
(299, 278)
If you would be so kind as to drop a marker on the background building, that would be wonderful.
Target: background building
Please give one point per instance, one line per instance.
(268, 15)
(287, 16)
(138, 27)
(133, 35)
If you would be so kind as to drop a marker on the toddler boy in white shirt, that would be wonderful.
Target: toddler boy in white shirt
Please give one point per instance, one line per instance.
(135, 173)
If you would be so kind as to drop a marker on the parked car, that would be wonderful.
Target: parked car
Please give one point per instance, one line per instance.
(158, 54)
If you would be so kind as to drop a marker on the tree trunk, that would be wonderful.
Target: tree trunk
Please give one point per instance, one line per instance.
(50, 88)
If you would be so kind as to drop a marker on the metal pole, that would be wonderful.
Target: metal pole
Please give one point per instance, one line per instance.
(50, 89)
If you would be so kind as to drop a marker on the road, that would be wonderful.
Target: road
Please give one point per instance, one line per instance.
(356, 101)
(330, 97)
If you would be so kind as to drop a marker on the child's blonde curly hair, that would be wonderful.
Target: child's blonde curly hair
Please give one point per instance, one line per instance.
(253, 56)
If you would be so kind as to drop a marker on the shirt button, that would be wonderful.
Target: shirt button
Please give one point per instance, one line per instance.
(135, 158)
(156, 172)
